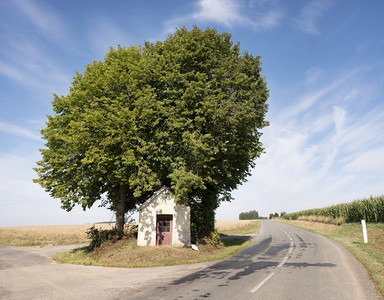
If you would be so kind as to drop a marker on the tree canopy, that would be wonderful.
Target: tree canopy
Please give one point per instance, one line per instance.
(250, 215)
(185, 113)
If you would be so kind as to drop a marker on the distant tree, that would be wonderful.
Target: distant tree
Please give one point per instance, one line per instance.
(185, 113)
(271, 216)
(282, 213)
(275, 215)
(251, 215)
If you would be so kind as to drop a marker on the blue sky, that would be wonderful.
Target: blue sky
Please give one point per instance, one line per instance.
(323, 61)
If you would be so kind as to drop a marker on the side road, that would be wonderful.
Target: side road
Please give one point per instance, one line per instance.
(29, 273)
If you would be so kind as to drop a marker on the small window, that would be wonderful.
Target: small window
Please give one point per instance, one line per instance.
(164, 224)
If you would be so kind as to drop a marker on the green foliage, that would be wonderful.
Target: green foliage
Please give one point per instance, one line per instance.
(185, 113)
(213, 239)
(100, 236)
(202, 216)
(251, 215)
(275, 215)
(370, 210)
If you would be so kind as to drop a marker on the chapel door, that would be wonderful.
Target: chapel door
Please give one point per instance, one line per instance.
(164, 230)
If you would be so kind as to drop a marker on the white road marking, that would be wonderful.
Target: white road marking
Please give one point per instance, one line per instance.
(279, 266)
(262, 283)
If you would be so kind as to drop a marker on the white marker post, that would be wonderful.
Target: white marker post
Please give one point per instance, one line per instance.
(365, 237)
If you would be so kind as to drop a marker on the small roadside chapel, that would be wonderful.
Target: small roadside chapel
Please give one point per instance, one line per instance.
(163, 222)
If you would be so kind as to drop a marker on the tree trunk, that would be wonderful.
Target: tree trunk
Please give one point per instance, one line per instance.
(120, 211)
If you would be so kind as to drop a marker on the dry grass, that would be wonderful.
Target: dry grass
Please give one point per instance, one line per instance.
(232, 224)
(126, 253)
(237, 227)
(48, 235)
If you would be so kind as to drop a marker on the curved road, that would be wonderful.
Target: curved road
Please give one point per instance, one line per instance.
(283, 262)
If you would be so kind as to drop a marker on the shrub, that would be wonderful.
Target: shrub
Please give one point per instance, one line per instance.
(213, 240)
(99, 236)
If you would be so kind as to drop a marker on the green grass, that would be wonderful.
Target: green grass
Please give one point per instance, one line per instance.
(371, 255)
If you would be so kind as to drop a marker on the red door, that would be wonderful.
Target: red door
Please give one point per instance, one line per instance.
(164, 230)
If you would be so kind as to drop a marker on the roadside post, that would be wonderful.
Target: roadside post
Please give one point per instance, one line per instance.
(365, 237)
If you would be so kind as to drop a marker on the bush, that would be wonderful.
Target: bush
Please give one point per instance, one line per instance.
(213, 240)
(99, 236)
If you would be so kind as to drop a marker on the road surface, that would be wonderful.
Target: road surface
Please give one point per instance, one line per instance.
(283, 262)
(29, 273)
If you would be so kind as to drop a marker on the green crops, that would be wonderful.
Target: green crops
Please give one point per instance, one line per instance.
(370, 210)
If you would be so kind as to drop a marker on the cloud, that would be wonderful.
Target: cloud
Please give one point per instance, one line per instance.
(47, 21)
(313, 75)
(309, 100)
(27, 63)
(230, 13)
(23, 202)
(19, 131)
(11, 72)
(219, 11)
(324, 149)
(310, 15)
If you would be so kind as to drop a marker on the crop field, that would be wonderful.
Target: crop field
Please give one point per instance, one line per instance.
(237, 227)
(370, 210)
(50, 235)
(47, 235)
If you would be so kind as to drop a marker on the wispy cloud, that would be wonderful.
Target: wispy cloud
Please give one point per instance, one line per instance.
(41, 77)
(310, 15)
(11, 72)
(311, 98)
(220, 11)
(28, 56)
(313, 75)
(44, 19)
(326, 151)
(19, 131)
(230, 13)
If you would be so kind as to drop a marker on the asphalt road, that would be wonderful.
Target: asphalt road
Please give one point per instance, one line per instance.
(30, 273)
(283, 262)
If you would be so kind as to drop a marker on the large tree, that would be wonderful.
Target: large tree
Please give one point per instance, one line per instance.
(185, 113)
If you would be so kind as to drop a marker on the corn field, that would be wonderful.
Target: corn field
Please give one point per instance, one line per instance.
(370, 210)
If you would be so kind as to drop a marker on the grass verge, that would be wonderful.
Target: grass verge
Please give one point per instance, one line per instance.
(350, 235)
(126, 253)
